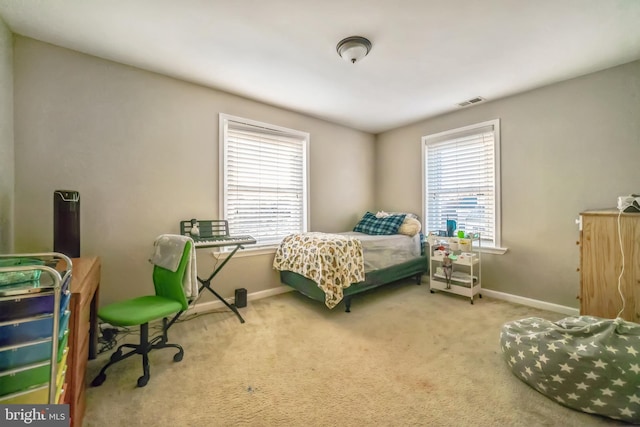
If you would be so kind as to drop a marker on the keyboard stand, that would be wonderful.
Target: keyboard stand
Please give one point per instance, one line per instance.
(206, 283)
(214, 233)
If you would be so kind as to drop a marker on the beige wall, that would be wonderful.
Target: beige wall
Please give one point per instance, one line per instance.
(6, 140)
(567, 147)
(142, 150)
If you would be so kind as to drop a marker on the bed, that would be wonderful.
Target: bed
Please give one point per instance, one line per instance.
(333, 267)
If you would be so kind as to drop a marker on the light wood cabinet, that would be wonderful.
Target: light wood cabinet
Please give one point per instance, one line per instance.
(601, 264)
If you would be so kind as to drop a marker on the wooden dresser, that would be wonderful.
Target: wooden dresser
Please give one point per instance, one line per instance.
(83, 332)
(601, 264)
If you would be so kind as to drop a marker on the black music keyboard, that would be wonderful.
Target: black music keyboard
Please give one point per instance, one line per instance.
(212, 233)
(217, 241)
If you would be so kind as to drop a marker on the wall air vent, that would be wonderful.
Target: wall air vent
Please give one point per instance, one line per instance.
(471, 101)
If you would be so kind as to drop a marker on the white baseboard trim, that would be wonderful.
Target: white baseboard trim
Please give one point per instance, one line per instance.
(529, 302)
(212, 305)
(556, 308)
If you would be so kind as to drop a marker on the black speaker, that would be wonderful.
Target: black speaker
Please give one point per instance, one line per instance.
(66, 222)
(241, 298)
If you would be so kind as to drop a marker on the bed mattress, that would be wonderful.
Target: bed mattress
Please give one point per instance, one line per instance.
(381, 251)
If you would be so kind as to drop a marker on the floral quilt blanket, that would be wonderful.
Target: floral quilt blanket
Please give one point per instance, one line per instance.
(333, 261)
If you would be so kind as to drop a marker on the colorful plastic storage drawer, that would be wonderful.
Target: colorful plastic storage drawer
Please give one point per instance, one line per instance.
(60, 398)
(34, 396)
(13, 277)
(23, 378)
(26, 354)
(62, 360)
(62, 344)
(31, 330)
(64, 323)
(21, 306)
(62, 372)
(60, 392)
(64, 301)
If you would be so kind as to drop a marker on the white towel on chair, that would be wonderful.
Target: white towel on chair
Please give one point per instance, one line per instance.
(167, 252)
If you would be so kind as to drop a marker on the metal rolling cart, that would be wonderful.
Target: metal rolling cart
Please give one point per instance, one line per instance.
(34, 298)
(457, 270)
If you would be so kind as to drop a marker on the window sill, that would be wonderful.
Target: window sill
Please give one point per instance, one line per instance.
(493, 250)
(247, 251)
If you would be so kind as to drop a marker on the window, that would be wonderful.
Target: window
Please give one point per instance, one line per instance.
(263, 179)
(462, 180)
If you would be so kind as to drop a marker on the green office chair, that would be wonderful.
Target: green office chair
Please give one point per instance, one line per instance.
(169, 299)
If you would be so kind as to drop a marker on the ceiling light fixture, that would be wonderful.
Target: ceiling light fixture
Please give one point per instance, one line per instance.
(353, 48)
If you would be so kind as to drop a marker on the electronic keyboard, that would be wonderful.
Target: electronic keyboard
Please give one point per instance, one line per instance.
(212, 233)
(207, 242)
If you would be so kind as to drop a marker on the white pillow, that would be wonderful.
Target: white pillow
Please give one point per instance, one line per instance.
(410, 227)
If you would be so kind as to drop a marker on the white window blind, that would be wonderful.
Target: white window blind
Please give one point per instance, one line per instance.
(264, 179)
(462, 180)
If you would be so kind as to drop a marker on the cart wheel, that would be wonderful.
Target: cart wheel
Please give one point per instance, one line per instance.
(433, 292)
(471, 302)
(479, 295)
(97, 381)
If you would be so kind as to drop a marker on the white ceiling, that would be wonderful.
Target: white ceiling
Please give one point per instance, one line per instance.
(427, 55)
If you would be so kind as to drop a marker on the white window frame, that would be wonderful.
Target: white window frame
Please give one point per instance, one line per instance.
(304, 136)
(494, 246)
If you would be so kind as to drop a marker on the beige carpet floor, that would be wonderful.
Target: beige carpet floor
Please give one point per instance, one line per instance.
(402, 357)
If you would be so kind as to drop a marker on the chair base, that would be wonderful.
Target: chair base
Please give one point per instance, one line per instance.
(143, 349)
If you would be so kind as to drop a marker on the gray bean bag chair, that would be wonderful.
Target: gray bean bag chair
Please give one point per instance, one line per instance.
(582, 362)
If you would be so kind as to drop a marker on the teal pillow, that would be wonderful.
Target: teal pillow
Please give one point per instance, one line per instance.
(370, 224)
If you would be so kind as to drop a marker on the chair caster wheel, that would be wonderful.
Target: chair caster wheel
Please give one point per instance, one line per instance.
(178, 356)
(97, 381)
(143, 380)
